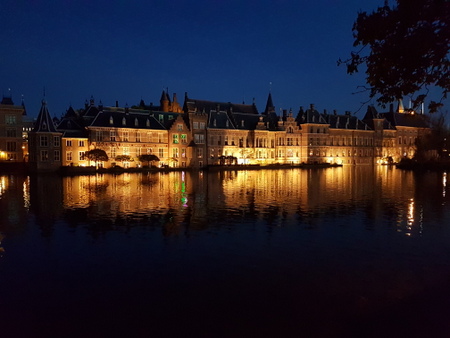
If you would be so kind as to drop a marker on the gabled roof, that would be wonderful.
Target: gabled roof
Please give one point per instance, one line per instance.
(246, 121)
(194, 105)
(7, 100)
(311, 115)
(220, 120)
(406, 119)
(345, 122)
(70, 113)
(118, 119)
(44, 122)
(71, 128)
(372, 114)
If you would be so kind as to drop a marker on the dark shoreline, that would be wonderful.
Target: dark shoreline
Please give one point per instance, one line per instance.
(423, 166)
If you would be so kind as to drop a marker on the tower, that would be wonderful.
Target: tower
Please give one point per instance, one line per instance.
(44, 143)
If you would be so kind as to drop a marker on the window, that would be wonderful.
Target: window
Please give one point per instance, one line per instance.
(125, 136)
(175, 138)
(10, 119)
(112, 135)
(44, 141)
(69, 156)
(11, 133)
(202, 125)
(98, 136)
(68, 143)
(161, 118)
(81, 143)
(138, 136)
(57, 155)
(175, 152)
(11, 146)
(111, 120)
(199, 138)
(124, 122)
(161, 153)
(226, 140)
(183, 138)
(56, 141)
(199, 152)
(113, 152)
(179, 127)
(136, 122)
(195, 125)
(160, 137)
(183, 152)
(81, 156)
(44, 155)
(126, 151)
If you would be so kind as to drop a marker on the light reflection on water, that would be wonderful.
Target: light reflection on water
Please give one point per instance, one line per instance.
(330, 245)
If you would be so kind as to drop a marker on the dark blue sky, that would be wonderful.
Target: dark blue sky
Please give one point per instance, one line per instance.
(213, 49)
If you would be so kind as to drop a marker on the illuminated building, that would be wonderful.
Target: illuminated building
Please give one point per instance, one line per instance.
(44, 143)
(11, 124)
(206, 132)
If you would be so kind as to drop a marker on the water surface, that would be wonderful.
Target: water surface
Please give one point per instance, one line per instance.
(353, 251)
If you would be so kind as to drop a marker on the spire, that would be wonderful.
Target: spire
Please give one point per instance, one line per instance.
(23, 106)
(270, 108)
(44, 122)
(164, 101)
(400, 108)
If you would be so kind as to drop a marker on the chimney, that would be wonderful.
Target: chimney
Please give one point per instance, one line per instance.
(117, 103)
(312, 106)
(391, 108)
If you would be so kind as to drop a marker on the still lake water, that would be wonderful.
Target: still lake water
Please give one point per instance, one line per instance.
(337, 252)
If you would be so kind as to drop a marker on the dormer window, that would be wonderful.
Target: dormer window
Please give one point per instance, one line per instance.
(111, 121)
(147, 123)
(226, 124)
(136, 122)
(242, 123)
(124, 122)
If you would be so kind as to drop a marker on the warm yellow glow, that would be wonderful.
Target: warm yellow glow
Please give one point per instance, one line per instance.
(444, 183)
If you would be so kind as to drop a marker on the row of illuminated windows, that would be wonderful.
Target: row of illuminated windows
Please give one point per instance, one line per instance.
(176, 138)
(348, 153)
(135, 152)
(114, 136)
(176, 153)
(70, 157)
(407, 141)
(341, 141)
(81, 143)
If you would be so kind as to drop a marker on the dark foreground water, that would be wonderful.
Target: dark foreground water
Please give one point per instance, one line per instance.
(339, 252)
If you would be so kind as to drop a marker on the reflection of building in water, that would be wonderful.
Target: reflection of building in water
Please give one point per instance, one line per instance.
(178, 201)
(14, 201)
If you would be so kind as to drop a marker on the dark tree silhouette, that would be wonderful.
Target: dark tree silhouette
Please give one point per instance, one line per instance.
(96, 155)
(148, 158)
(405, 48)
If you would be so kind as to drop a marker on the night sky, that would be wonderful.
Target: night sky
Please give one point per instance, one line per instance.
(213, 49)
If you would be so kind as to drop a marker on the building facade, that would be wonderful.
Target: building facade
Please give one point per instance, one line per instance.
(204, 133)
(11, 124)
